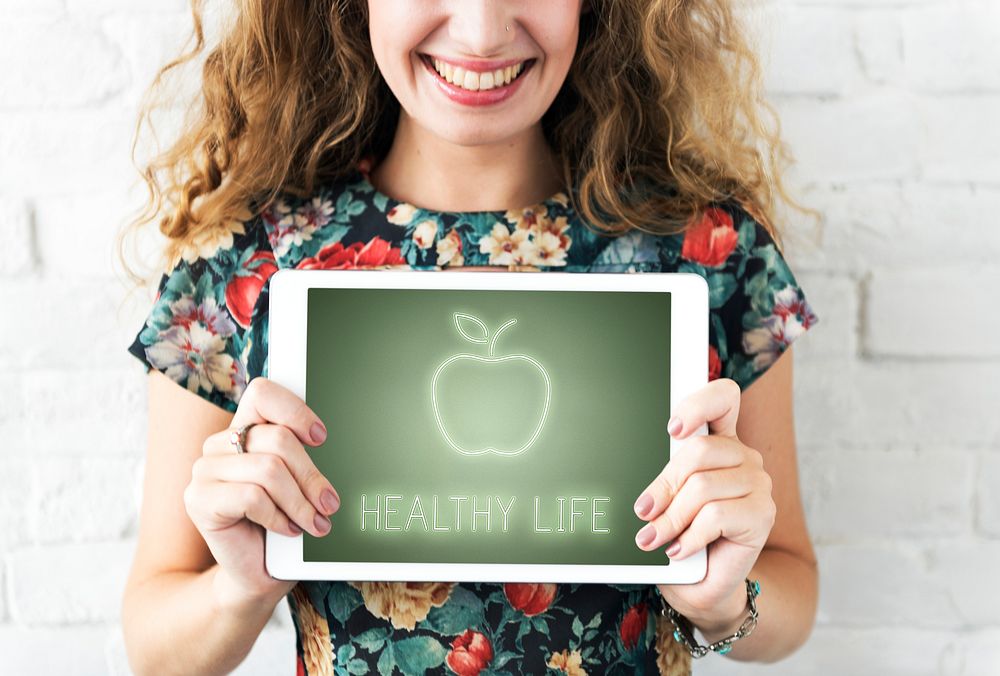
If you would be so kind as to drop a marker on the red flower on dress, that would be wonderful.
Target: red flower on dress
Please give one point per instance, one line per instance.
(710, 240)
(357, 255)
(243, 290)
(714, 363)
(470, 653)
(530, 598)
(633, 624)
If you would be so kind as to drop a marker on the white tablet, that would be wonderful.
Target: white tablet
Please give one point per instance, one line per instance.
(487, 426)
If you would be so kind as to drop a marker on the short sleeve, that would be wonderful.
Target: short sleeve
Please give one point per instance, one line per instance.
(756, 306)
(207, 328)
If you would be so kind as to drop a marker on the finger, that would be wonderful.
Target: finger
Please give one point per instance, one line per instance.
(717, 403)
(699, 453)
(279, 440)
(269, 402)
(700, 489)
(216, 505)
(270, 472)
(745, 521)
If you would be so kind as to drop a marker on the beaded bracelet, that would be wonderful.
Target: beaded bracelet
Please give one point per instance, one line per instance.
(683, 630)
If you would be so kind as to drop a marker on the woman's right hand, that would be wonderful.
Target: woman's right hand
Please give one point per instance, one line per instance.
(233, 497)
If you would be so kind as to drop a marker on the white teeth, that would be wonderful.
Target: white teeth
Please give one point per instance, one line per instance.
(474, 81)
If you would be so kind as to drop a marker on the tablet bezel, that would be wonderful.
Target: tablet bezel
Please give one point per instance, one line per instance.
(287, 366)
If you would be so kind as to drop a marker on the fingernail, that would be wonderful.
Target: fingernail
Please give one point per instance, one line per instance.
(674, 425)
(318, 433)
(294, 527)
(646, 535)
(674, 548)
(322, 523)
(329, 501)
(643, 504)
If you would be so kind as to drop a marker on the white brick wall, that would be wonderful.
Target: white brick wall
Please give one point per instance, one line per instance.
(891, 107)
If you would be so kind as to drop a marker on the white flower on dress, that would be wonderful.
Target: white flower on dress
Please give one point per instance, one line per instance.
(790, 317)
(290, 229)
(549, 250)
(508, 248)
(449, 250)
(424, 234)
(401, 214)
(192, 351)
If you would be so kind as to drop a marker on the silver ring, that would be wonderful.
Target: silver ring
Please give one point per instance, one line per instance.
(238, 437)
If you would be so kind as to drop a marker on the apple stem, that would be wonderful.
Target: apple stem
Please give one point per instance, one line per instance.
(493, 341)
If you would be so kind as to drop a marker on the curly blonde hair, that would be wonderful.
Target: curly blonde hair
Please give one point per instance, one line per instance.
(662, 113)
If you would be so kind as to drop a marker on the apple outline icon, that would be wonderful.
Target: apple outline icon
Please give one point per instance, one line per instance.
(488, 360)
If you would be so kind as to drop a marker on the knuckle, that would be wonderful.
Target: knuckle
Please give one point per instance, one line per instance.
(698, 484)
(271, 468)
(285, 438)
(732, 387)
(767, 481)
(698, 445)
(712, 511)
(756, 457)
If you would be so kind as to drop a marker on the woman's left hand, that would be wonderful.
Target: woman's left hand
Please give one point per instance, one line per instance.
(713, 492)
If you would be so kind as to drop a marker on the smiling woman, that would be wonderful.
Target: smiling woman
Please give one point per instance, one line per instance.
(340, 134)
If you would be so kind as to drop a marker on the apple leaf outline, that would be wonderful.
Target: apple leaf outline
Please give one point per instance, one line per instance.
(461, 317)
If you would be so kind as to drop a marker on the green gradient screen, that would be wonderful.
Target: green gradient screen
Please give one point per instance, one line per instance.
(457, 435)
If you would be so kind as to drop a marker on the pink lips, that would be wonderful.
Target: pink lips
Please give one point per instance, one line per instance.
(478, 98)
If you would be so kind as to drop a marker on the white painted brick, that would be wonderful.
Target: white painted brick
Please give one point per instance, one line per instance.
(933, 312)
(953, 46)
(969, 568)
(15, 494)
(91, 7)
(66, 150)
(835, 299)
(976, 652)
(873, 585)
(878, 224)
(54, 316)
(52, 650)
(68, 584)
(879, 43)
(851, 495)
(17, 234)
(33, 6)
(988, 495)
(64, 484)
(147, 45)
(904, 404)
(872, 136)
(794, 40)
(3, 592)
(86, 412)
(962, 138)
(75, 231)
(57, 63)
(875, 651)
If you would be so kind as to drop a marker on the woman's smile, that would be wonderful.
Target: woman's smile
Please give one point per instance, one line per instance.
(467, 84)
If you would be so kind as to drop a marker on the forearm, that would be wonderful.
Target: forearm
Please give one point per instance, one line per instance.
(180, 623)
(786, 608)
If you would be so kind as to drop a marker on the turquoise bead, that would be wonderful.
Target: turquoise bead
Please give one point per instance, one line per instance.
(725, 649)
(756, 587)
(677, 636)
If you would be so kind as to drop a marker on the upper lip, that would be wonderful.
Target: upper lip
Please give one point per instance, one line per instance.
(477, 66)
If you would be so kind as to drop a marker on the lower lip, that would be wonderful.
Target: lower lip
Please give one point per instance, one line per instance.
(478, 98)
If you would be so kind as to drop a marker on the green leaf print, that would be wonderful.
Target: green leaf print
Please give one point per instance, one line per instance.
(386, 661)
(463, 610)
(343, 599)
(747, 235)
(416, 655)
(720, 289)
(372, 639)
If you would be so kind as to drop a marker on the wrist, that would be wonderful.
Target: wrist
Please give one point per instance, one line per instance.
(232, 598)
(724, 619)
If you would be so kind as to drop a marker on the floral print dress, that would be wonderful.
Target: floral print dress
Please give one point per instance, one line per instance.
(207, 331)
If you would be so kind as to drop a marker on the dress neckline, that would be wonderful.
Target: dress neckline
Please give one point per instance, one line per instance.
(558, 202)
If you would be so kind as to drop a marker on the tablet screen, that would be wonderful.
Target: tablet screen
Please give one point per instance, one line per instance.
(488, 426)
